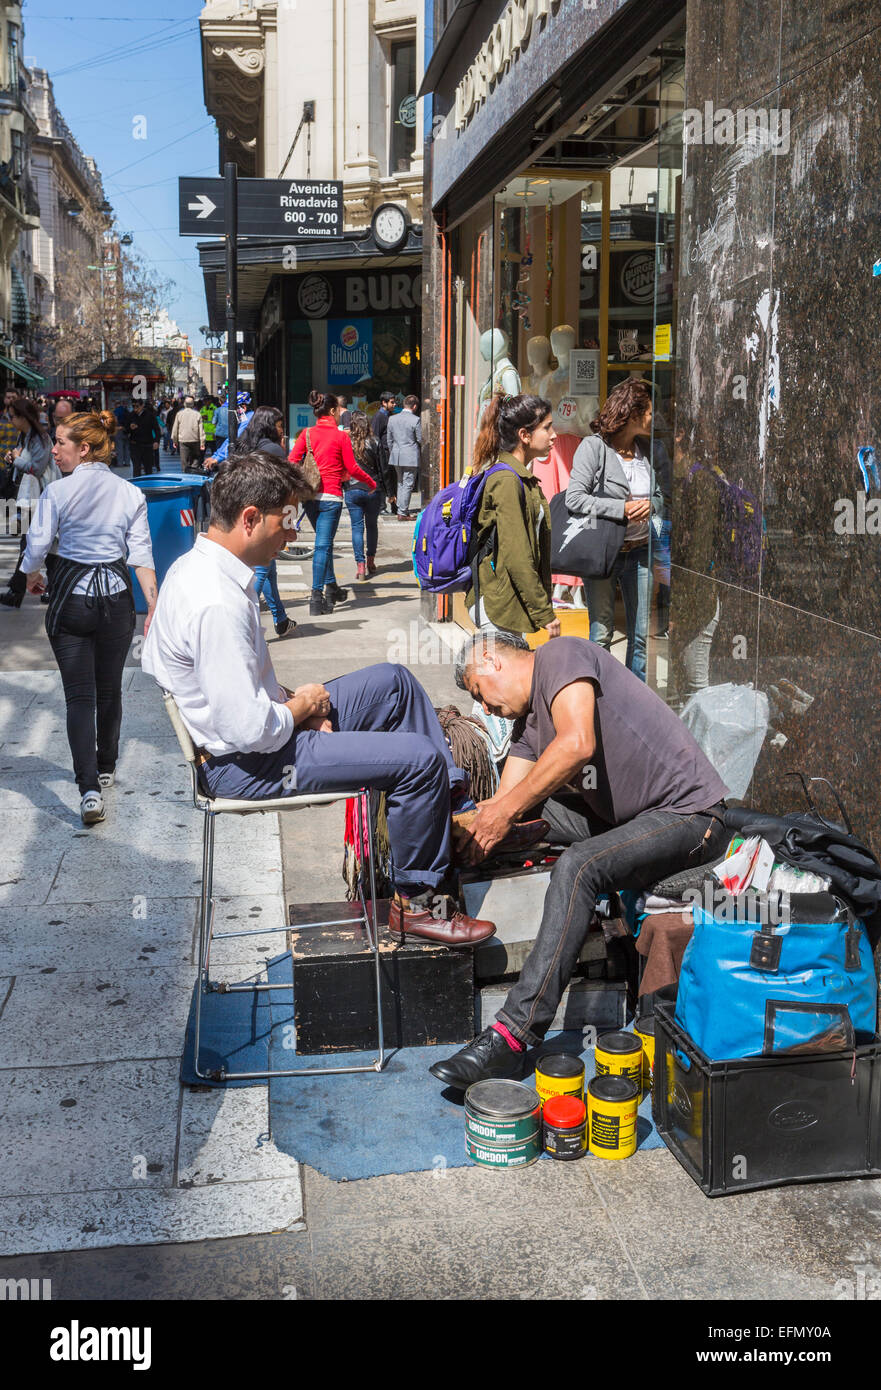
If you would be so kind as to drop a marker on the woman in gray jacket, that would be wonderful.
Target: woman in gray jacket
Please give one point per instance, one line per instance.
(629, 493)
(405, 440)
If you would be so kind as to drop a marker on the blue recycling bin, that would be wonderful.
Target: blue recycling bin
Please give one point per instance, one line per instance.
(175, 510)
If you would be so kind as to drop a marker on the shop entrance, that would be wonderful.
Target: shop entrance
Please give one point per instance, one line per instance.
(564, 285)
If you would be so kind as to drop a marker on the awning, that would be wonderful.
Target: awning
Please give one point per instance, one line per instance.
(32, 378)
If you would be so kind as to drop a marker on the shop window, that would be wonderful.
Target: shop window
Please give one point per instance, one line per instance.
(403, 106)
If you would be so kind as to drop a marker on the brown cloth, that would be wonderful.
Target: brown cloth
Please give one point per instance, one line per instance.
(662, 940)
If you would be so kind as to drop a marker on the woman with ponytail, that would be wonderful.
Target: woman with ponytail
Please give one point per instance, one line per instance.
(100, 524)
(514, 521)
(331, 449)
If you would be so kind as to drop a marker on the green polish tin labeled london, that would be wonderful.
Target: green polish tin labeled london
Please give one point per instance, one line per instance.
(504, 1155)
(502, 1113)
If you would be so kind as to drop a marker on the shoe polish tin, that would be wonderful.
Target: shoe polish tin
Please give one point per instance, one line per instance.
(564, 1126)
(502, 1114)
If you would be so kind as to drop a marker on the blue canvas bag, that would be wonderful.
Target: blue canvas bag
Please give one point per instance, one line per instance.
(761, 987)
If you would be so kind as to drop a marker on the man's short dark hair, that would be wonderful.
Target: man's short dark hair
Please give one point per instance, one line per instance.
(387, 396)
(253, 480)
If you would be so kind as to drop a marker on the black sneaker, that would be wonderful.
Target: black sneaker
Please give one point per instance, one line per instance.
(284, 627)
(487, 1057)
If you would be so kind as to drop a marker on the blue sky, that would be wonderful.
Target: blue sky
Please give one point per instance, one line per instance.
(111, 63)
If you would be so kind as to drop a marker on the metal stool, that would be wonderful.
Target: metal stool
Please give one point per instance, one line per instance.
(211, 807)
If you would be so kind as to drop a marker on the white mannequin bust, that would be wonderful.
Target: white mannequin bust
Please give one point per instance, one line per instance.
(563, 339)
(538, 351)
(494, 346)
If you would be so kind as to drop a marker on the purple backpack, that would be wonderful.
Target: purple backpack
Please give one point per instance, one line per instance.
(445, 553)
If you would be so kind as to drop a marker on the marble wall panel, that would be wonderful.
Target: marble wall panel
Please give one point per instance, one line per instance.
(823, 542)
(811, 32)
(823, 681)
(733, 51)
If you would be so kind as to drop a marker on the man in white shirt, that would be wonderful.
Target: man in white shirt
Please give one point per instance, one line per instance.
(375, 728)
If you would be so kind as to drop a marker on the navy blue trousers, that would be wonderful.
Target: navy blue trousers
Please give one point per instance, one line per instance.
(386, 736)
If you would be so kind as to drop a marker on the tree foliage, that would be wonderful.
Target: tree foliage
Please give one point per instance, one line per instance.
(94, 321)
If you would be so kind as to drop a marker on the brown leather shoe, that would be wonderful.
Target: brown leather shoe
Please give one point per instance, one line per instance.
(434, 918)
(522, 835)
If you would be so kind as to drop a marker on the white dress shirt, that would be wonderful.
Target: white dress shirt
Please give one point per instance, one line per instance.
(96, 518)
(206, 647)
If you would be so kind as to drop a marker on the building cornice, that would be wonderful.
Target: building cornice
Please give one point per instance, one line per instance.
(233, 62)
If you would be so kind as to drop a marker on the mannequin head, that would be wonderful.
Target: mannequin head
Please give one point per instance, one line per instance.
(562, 342)
(493, 345)
(538, 351)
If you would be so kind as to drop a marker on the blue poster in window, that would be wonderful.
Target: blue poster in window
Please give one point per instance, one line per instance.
(349, 351)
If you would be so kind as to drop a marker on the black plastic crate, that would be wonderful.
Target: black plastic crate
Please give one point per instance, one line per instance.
(766, 1121)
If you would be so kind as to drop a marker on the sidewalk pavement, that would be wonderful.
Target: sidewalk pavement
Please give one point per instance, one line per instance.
(85, 1091)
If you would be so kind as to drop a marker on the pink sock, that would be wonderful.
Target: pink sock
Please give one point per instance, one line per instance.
(509, 1037)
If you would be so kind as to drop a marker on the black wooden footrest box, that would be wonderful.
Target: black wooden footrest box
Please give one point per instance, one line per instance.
(427, 991)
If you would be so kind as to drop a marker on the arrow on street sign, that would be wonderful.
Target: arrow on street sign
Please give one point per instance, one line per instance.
(203, 206)
(299, 209)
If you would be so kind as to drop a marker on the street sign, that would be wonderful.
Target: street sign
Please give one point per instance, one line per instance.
(308, 208)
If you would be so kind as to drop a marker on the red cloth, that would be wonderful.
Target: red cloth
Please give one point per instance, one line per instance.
(553, 474)
(332, 448)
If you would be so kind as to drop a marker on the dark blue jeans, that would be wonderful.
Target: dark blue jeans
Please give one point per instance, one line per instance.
(632, 571)
(266, 582)
(599, 860)
(386, 735)
(364, 508)
(325, 518)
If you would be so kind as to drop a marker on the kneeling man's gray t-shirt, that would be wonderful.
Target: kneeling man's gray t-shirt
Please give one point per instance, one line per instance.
(645, 759)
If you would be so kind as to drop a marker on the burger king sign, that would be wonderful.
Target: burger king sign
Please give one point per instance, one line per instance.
(349, 351)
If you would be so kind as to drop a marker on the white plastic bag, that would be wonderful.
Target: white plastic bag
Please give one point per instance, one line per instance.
(729, 722)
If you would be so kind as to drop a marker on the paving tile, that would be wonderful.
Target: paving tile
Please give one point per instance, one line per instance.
(163, 866)
(79, 1129)
(92, 1220)
(515, 1259)
(224, 1137)
(244, 913)
(782, 1243)
(139, 930)
(113, 1015)
(456, 1194)
(265, 1267)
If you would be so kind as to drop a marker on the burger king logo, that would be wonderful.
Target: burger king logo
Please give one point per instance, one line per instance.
(349, 336)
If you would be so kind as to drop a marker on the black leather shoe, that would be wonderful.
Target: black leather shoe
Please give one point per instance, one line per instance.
(11, 600)
(487, 1057)
(334, 594)
(318, 604)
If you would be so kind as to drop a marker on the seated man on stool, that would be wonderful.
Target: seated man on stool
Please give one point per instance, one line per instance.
(376, 728)
(618, 778)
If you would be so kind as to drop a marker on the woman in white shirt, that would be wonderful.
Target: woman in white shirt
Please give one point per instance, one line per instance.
(100, 523)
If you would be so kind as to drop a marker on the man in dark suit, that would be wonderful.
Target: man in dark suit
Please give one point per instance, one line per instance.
(380, 434)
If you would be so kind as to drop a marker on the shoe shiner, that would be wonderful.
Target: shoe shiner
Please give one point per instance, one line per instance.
(374, 728)
(620, 781)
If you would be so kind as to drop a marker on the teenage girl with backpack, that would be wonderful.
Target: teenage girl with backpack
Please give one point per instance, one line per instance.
(514, 519)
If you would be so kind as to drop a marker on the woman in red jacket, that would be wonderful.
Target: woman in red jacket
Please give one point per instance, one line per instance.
(332, 449)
